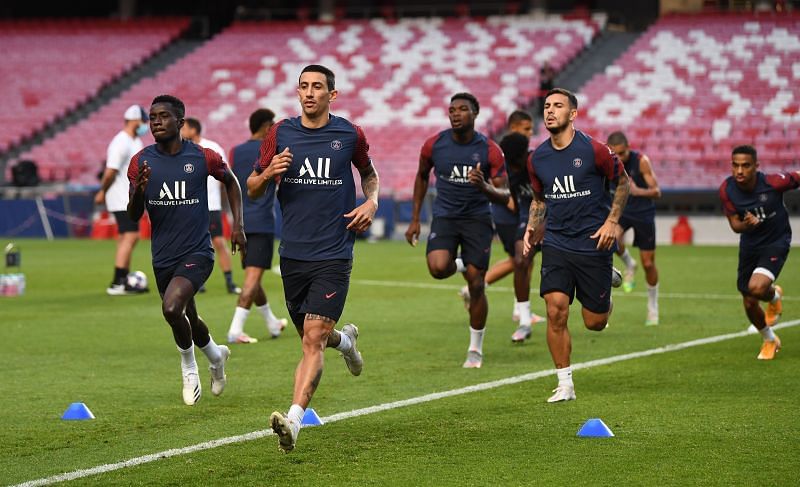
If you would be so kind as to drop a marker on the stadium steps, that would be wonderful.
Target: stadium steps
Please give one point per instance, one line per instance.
(148, 68)
(595, 58)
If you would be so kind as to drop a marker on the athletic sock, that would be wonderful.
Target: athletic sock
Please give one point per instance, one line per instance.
(565, 376)
(344, 344)
(237, 323)
(296, 413)
(212, 351)
(460, 267)
(476, 339)
(120, 275)
(188, 363)
(767, 334)
(524, 310)
(266, 312)
(229, 278)
(626, 257)
(652, 298)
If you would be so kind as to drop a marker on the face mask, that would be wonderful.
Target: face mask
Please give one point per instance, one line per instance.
(142, 129)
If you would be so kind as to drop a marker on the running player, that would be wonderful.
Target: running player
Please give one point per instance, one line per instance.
(639, 214)
(311, 156)
(169, 180)
(753, 203)
(569, 173)
(259, 221)
(469, 173)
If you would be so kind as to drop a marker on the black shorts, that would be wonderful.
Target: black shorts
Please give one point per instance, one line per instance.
(318, 288)
(259, 250)
(215, 223)
(196, 268)
(473, 235)
(587, 276)
(644, 231)
(507, 234)
(769, 258)
(124, 222)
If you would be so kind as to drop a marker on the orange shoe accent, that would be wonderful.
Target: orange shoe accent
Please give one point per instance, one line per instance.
(769, 349)
(775, 309)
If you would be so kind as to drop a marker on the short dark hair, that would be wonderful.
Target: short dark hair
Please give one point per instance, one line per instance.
(617, 138)
(470, 98)
(330, 78)
(259, 117)
(519, 116)
(745, 149)
(195, 124)
(177, 105)
(573, 100)
(515, 148)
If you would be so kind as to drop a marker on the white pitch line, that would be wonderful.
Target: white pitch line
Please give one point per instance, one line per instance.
(493, 288)
(110, 467)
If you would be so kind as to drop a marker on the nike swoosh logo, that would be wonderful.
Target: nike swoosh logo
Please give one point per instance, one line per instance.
(602, 295)
(190, 265)
(329, 296)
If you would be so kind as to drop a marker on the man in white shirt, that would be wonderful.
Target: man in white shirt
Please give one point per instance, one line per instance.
(114, 194)
(191, 131)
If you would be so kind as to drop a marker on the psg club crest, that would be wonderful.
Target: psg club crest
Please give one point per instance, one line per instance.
(188, 168)
(336, 145)
(577, 162)
(476, 157)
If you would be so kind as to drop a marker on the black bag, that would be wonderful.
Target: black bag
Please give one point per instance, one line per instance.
(25, 173)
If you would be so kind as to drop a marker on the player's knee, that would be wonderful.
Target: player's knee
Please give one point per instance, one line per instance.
(597, 323)
(758, 289)
(477, 287)
(439, 271)
(557, 316)
(172, 312)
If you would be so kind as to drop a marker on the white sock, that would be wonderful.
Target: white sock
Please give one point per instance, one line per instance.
(565, 376)
(652, 298)
(460, 267)
(266, 312)
(212, 351)
(345, 344)
(476, 339)
(237, 323)
(524, 310)
(188, 363)
(296, 413)
(767, 334)
(776, 297)
(626, 257)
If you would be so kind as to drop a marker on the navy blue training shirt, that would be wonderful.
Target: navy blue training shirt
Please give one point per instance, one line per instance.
(318, 188)
(259, 214)
(638, 207)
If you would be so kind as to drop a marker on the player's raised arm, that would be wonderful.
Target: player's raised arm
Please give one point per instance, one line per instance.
(269, 166)
(496, 187)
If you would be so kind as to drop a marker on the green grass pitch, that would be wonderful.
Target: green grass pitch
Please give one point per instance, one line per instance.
(706, 415)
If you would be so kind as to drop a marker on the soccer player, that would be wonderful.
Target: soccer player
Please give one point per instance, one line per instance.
(259, 221)
(568, 174)
(753, 203)
(469, 173)
(639, 214)
(168, 179)
(506, 221)
(310, 158)
(114, 194)
(192, 128)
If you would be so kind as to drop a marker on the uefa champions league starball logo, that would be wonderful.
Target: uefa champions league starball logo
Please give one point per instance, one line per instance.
(188, 168)
(336, 145)
(577, 162)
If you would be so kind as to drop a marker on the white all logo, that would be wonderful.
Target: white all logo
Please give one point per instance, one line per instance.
(464, 172)
(323, 168)
(178, 192)
(568, 185)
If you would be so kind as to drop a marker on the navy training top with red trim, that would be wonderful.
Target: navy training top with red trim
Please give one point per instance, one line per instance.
(638, 207)
(766, 203)
(456, 197)
(318, 188)
(572, 182)
(259, 214)
(176, 199)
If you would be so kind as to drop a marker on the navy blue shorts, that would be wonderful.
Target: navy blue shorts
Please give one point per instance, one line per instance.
(644, 231)
(215, 223)
(196, 268)
(585, 275)
(259, 250)
(507, 234)
(770, 259)
(318, 288)
(124, 222)
(472, 235)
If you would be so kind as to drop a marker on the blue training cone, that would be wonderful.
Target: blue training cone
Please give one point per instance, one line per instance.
(77, 410)
(310, 418)
(595, 428)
